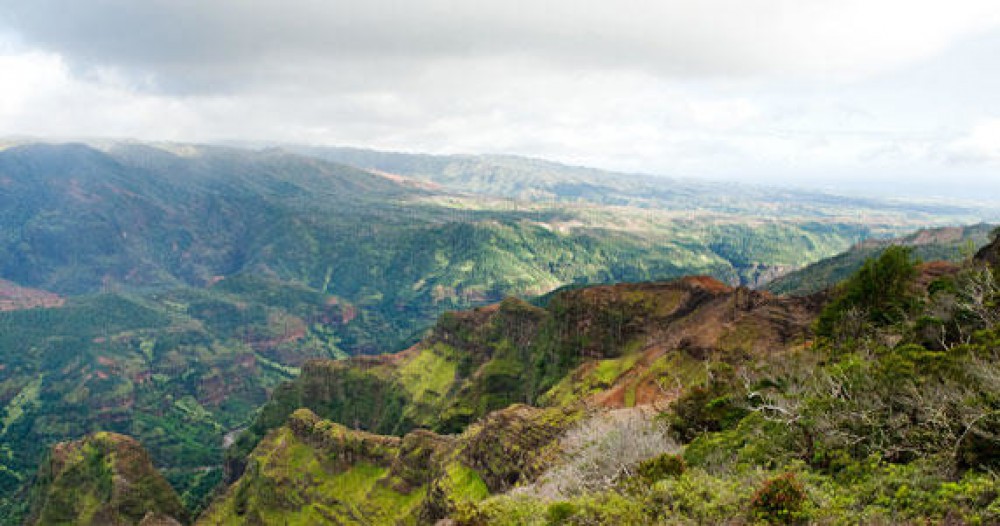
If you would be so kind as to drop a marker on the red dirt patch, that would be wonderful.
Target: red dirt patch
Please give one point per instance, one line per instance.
(15, 297)
(708, 283)
(105, 361)
(348, 313)
(610, 398)
(933, 270)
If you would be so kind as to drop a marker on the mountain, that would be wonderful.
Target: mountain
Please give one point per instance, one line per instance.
(617, 347)
(77, 219)
(529, 179)
(684, 401)
(671, 402)
(635, 337)
(164, 291)
(104, 479)
(938, 244)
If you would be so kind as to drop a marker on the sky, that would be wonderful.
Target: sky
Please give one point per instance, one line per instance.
(889, 97)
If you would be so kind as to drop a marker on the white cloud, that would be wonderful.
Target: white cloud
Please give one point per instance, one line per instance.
(196, 46)
(980, 144)
(802, 91)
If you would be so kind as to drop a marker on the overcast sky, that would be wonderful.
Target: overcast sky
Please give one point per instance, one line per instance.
(896, 96)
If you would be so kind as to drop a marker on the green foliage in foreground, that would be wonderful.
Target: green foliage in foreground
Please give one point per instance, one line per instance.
(878, 293)
(886, 494)
(886, 427)
(952, 244)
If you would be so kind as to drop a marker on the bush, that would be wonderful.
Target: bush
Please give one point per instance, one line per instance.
(880, 290)
(780, 499)
(560, 512)
(601, 452)
(661, 467)
(717, 406)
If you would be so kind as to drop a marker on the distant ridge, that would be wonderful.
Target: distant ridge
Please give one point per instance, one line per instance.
(946, 244)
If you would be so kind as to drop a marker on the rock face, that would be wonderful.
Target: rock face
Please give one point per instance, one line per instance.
(614, 346)
(991, 253)
(104, 478)
(314, 471)
(320, 460)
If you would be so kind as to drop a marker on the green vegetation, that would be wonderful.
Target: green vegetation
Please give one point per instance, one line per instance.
(186, 285)
(952, 244)
(479, 361)
(538, 180)
(878, 294)
(664, 466)
(102, 479)
(779, 499)
(895, 424)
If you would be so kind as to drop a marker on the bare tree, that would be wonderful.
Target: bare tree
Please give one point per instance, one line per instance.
(601, 451)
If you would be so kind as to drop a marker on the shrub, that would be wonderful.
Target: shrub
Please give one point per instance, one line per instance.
(661, 467)
(779, 499)
(560, 512)
(880, 290)
(602, 451)
(713, 407)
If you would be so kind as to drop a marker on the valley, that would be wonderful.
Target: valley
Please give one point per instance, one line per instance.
(166, 291)
(678, 401)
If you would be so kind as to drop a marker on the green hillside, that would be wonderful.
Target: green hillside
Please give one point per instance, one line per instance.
(103, 479)
(945, 244)
(163, 291)
(739, 411)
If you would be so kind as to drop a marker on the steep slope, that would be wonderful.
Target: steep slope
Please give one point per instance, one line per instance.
(990, 254)
(177, 371)
(942, 244)
(608, 346)
(313, 471)
(104, 479)
(873, 420)
(163, 290)
(76, 218)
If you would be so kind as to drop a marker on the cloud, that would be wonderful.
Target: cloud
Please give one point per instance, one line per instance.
(801, 91)
(980, 145)
(192, 46)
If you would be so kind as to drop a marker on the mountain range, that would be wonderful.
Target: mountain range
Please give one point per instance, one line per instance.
(687, 401)
(166, 291)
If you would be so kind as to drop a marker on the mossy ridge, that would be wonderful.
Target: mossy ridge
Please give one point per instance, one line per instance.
(290, 480)
(100, 479)
(785, 445)
(626, 344)
(320, 471)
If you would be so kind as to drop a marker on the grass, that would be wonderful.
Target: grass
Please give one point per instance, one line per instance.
(28, 395)
(599, 376)
(430, 374)
(296, 484)
(464, 484)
